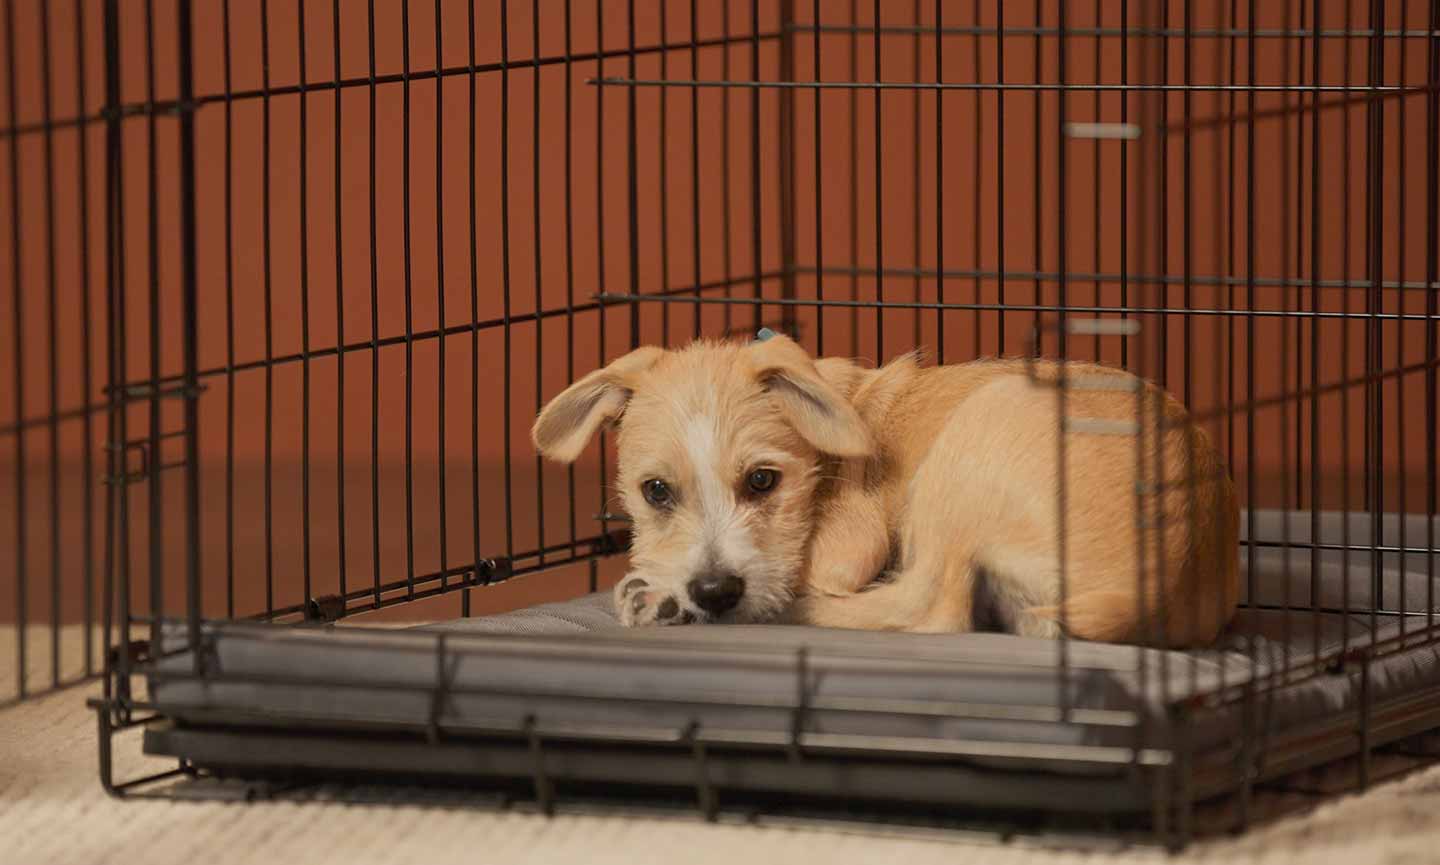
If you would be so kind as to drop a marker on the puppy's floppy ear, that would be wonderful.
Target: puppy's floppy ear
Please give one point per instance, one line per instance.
(565, 426)
(816, 408)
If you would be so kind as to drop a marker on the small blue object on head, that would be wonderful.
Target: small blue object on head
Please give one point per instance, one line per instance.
(764, 334)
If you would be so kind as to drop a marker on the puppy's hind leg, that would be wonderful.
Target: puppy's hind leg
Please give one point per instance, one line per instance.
(922, 599)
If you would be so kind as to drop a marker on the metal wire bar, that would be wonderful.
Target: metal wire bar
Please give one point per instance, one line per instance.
(1029, 307)
(443, 395)
(338, 214)
(17, 346)
(226, 61)
(1390, 90)
(167, 107)
(1058, 31)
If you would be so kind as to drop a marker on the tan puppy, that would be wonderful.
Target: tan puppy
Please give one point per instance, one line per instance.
(765, 485)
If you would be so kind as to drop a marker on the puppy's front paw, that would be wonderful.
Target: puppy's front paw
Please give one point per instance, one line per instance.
(639, 605)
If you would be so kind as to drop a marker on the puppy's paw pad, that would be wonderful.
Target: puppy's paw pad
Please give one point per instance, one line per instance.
(630, 586)
(639, 606)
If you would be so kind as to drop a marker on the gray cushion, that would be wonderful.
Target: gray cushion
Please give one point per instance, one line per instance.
(984, 696)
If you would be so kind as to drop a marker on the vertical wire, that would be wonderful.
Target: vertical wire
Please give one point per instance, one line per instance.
(190, 333)
(1000, 174)
(695, 166)
(1163, 217)
(662, 130)
(1250, 486)
(879, 198)
(409, 304)
(229, 315)
(1098, 212)
(116, 598)
(1125, 181)
(475, 315)
(757, 258)
(17, 345)
(339, 308)
(1432, 307)
(1063, 492)
(819, 197)
(915, 177)
(1222, 348)
(633, 176)
(440, 299)
(1402, 480)
(1298, 469)
(1142, 729)
(1375, 267)
(939, 186)
(269, 310)
(1151, 400)
(374, 332)
(52, 329)
(304, 161)
(570, 261)
(854, 71)
(1037, 227)
(505, 270)
(1190, 481)
(86, 349)
(1315, 305)
(600, 241)
(1283, 348)
(977, 181)
(539, 295)
(1345, 341)
(1250, 495)
(725, 162)
(155, 490)
(1230, 223)
(787, 157)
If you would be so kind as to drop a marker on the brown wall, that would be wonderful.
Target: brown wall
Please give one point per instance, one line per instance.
(926, 206)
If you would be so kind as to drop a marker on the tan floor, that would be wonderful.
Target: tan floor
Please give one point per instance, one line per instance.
(52, 810)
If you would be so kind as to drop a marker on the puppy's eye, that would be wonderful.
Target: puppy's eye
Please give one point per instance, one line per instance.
(762, 480)
(657, 493)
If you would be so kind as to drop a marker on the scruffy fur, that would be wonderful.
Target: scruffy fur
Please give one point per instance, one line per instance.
(908, 492)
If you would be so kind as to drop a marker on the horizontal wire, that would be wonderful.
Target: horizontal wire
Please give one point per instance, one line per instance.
(79, 412)
(1198, 33)
(1022, 307)
(418, 336)
(1200, 418)
(1081, 276)
(69, 414)
(1386, 89)
(141, 109)
(1340, 548)
(599, 548)
(1291, 109)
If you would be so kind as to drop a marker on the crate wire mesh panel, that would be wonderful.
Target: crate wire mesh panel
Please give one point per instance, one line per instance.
(286, 282)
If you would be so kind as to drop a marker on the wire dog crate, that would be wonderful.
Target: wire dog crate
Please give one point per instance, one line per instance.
(288, 281)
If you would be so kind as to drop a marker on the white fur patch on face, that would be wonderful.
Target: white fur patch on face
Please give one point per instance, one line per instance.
(725, 538)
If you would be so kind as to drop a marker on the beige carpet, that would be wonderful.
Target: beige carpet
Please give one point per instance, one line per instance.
(52, 810)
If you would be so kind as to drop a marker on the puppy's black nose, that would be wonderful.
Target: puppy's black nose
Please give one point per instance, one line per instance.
(717, 593)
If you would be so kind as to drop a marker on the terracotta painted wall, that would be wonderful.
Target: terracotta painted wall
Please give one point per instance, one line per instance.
(316, 280)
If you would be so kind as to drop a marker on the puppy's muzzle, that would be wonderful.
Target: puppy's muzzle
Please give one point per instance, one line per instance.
(717, 593)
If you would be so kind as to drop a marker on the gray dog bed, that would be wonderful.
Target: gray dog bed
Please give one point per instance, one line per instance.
(561, 692)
